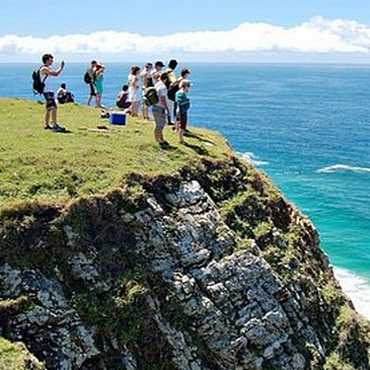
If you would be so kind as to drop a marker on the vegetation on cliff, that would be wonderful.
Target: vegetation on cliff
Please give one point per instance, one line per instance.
(194, 263)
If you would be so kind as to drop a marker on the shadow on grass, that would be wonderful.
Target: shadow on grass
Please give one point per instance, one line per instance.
(197, 149)
(198, 137)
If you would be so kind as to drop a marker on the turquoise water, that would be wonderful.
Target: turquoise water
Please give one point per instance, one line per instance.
(307, 126)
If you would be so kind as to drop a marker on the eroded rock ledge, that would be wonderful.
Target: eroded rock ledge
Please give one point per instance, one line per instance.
(208, 269)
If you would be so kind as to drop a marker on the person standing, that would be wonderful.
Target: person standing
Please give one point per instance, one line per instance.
(147, 80)
(89, 79)
(158, 67)
(160, 110)
(99, 84)
(183, 105)
(171, 79)
(46, 73)
(134, 90)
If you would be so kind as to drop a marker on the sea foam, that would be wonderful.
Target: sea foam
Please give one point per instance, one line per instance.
(252, 158)
(343, 168)
(357, 288)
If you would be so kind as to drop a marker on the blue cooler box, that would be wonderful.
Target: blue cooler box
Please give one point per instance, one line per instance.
(117, 118)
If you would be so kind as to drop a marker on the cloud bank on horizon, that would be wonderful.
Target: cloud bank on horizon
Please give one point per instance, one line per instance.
(319, 35)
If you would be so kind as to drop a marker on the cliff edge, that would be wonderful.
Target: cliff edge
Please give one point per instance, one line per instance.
(206, 267)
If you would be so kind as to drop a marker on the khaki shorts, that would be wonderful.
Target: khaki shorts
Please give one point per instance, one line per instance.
(159, 114)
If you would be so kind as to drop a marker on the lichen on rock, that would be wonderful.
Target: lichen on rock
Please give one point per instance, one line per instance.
(210, 268)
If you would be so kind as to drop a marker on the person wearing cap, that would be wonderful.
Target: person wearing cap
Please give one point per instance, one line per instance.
(171, 79)
(183, 105)
(147, 81)
(185, 74)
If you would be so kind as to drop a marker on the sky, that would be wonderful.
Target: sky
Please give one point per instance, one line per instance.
(218, 30)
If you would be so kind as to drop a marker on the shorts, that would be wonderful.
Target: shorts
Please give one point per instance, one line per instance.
(92, 90)
(50, 101)
(182, 119)
(159, 114)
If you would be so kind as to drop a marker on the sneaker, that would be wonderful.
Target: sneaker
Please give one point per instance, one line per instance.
(164, 145)
(47, 127)
(57, 128)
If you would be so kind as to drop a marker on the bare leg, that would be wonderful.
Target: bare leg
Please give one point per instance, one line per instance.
(47, 117)
(181, 135)
(145, 111)
(54, 117)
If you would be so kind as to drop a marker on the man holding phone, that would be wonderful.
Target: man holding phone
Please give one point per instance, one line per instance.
(46, 72)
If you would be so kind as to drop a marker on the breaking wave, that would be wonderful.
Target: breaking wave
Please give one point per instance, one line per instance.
(343, 168)
(252, 158)
(357, 288)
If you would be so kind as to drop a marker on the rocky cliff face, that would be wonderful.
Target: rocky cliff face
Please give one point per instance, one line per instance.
(208, 269)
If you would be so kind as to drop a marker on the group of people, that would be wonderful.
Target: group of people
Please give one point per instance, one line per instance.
(155, 92)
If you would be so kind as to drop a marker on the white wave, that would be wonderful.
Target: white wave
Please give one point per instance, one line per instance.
(343, 168)
(253, 159)
(357, 288)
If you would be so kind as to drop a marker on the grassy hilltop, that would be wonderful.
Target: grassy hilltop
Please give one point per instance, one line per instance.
(36, 164)
(161, 269)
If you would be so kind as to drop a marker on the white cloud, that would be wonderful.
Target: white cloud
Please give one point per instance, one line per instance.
(319, 35)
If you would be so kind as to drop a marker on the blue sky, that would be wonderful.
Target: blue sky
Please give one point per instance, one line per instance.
(37, 18)
(196, 30)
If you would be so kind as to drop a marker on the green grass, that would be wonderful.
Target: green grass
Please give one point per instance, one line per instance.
(36, 164)
(14, 356)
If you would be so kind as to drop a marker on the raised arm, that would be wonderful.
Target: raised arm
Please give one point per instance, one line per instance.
(48, 71)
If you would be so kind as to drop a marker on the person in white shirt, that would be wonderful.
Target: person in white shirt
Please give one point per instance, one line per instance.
(134, 90)
(160, 110)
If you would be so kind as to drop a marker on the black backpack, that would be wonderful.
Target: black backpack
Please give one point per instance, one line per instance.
(166, 79)
(38, 86)
(151, 96)
(173, 89)
(87, 78)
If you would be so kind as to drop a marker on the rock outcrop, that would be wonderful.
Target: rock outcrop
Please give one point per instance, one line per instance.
(208, 269)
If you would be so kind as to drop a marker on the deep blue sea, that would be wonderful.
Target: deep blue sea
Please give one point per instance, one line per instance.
(307, 126)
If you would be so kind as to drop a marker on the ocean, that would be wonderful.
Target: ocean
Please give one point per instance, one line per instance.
(306, 126)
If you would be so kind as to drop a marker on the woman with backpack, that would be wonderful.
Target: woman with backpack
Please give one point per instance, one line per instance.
(134, 90)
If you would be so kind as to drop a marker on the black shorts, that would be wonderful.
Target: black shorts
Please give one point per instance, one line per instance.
(50, 100)
(182, 119)
(92, 90)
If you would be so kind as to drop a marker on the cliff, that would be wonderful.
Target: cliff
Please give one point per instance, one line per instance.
(205, 266)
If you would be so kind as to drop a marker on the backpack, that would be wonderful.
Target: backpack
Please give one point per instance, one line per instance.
(173, 89)
(38, 86)
(167, 81)
(151, 96)
(87, 78)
